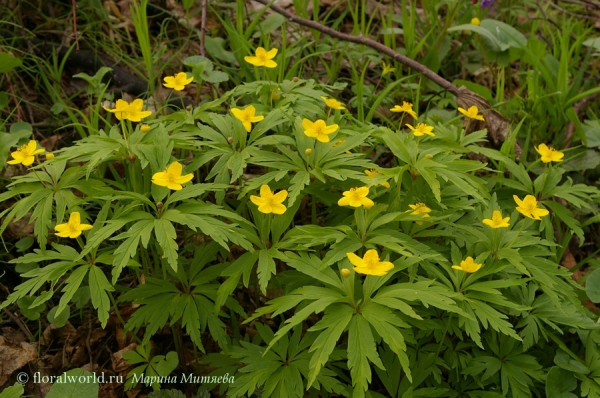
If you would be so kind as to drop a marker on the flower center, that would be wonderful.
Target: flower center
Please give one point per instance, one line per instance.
(262, 57)
(171, 178)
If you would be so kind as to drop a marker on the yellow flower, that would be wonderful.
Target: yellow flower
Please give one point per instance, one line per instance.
(333, 103)
(345, 272)
(387, 69)
(475, 21)
(178, 81)
(528, 207)
(420, 208)
(127, 111)
(549, 154)
(319, 129)
(72, 228)
(497, 221)
(135, 112)
(247, 116)
(145, 128)
(356, 197)
(372, 174)
(468, 265)
(268, 202)
(49, 156)
(406, 107)
(370, 264)
(471, 113)
(263, 58)
(25, 154)
(171, 177)
(422, 129)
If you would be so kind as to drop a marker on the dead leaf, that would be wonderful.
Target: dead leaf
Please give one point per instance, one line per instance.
(118, 363)
(14, 356)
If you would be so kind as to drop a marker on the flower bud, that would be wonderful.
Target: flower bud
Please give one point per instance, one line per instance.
(308, 151)
(345, 272)
(429, 156)
(295, 79)
(49, 156)
(145, 128)
(230, 139)
(159, 205)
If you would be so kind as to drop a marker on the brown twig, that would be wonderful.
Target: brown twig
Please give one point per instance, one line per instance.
(74, 5)
(21, 325)
(431, 75)
(203, 26)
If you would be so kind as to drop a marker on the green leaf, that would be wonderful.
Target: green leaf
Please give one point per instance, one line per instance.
(361, 350)
(166, 394)
(61, 319)
(78, 383)
(14, 391)
(564, 361)
(559, 383)
(32, 314)
(166, 366)
(165, 235)
(8, 62)
(99, 286)
(331, 326)
(592, 286)
(387, 325)
(488, 38)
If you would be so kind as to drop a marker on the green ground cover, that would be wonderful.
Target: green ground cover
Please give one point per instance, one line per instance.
(298, 198)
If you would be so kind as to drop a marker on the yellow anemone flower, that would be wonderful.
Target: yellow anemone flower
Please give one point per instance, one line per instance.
(171, 177)
(468, 265)
(177, 82)
(319, 129)
(333, 103)
(25, 155)
(406, 107)
(372, 174)
(247, 116)
(387, 69)
(475, 21)
(497, 221)
(127, 111)
(528, 207)
(268, 202)
(421, 130)
(356, 197)
(263, 57)
(549, 154)
(72, 228)
(471, 113)
(49, 156)
(370, 264)
(420, 208)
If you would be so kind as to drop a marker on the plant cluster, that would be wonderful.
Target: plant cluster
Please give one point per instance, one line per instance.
(287, 239)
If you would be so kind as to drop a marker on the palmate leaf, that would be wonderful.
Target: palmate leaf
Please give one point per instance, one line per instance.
(387, 325)
(65, 260)
(99, 286)
(361, 350)
(332, 325)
